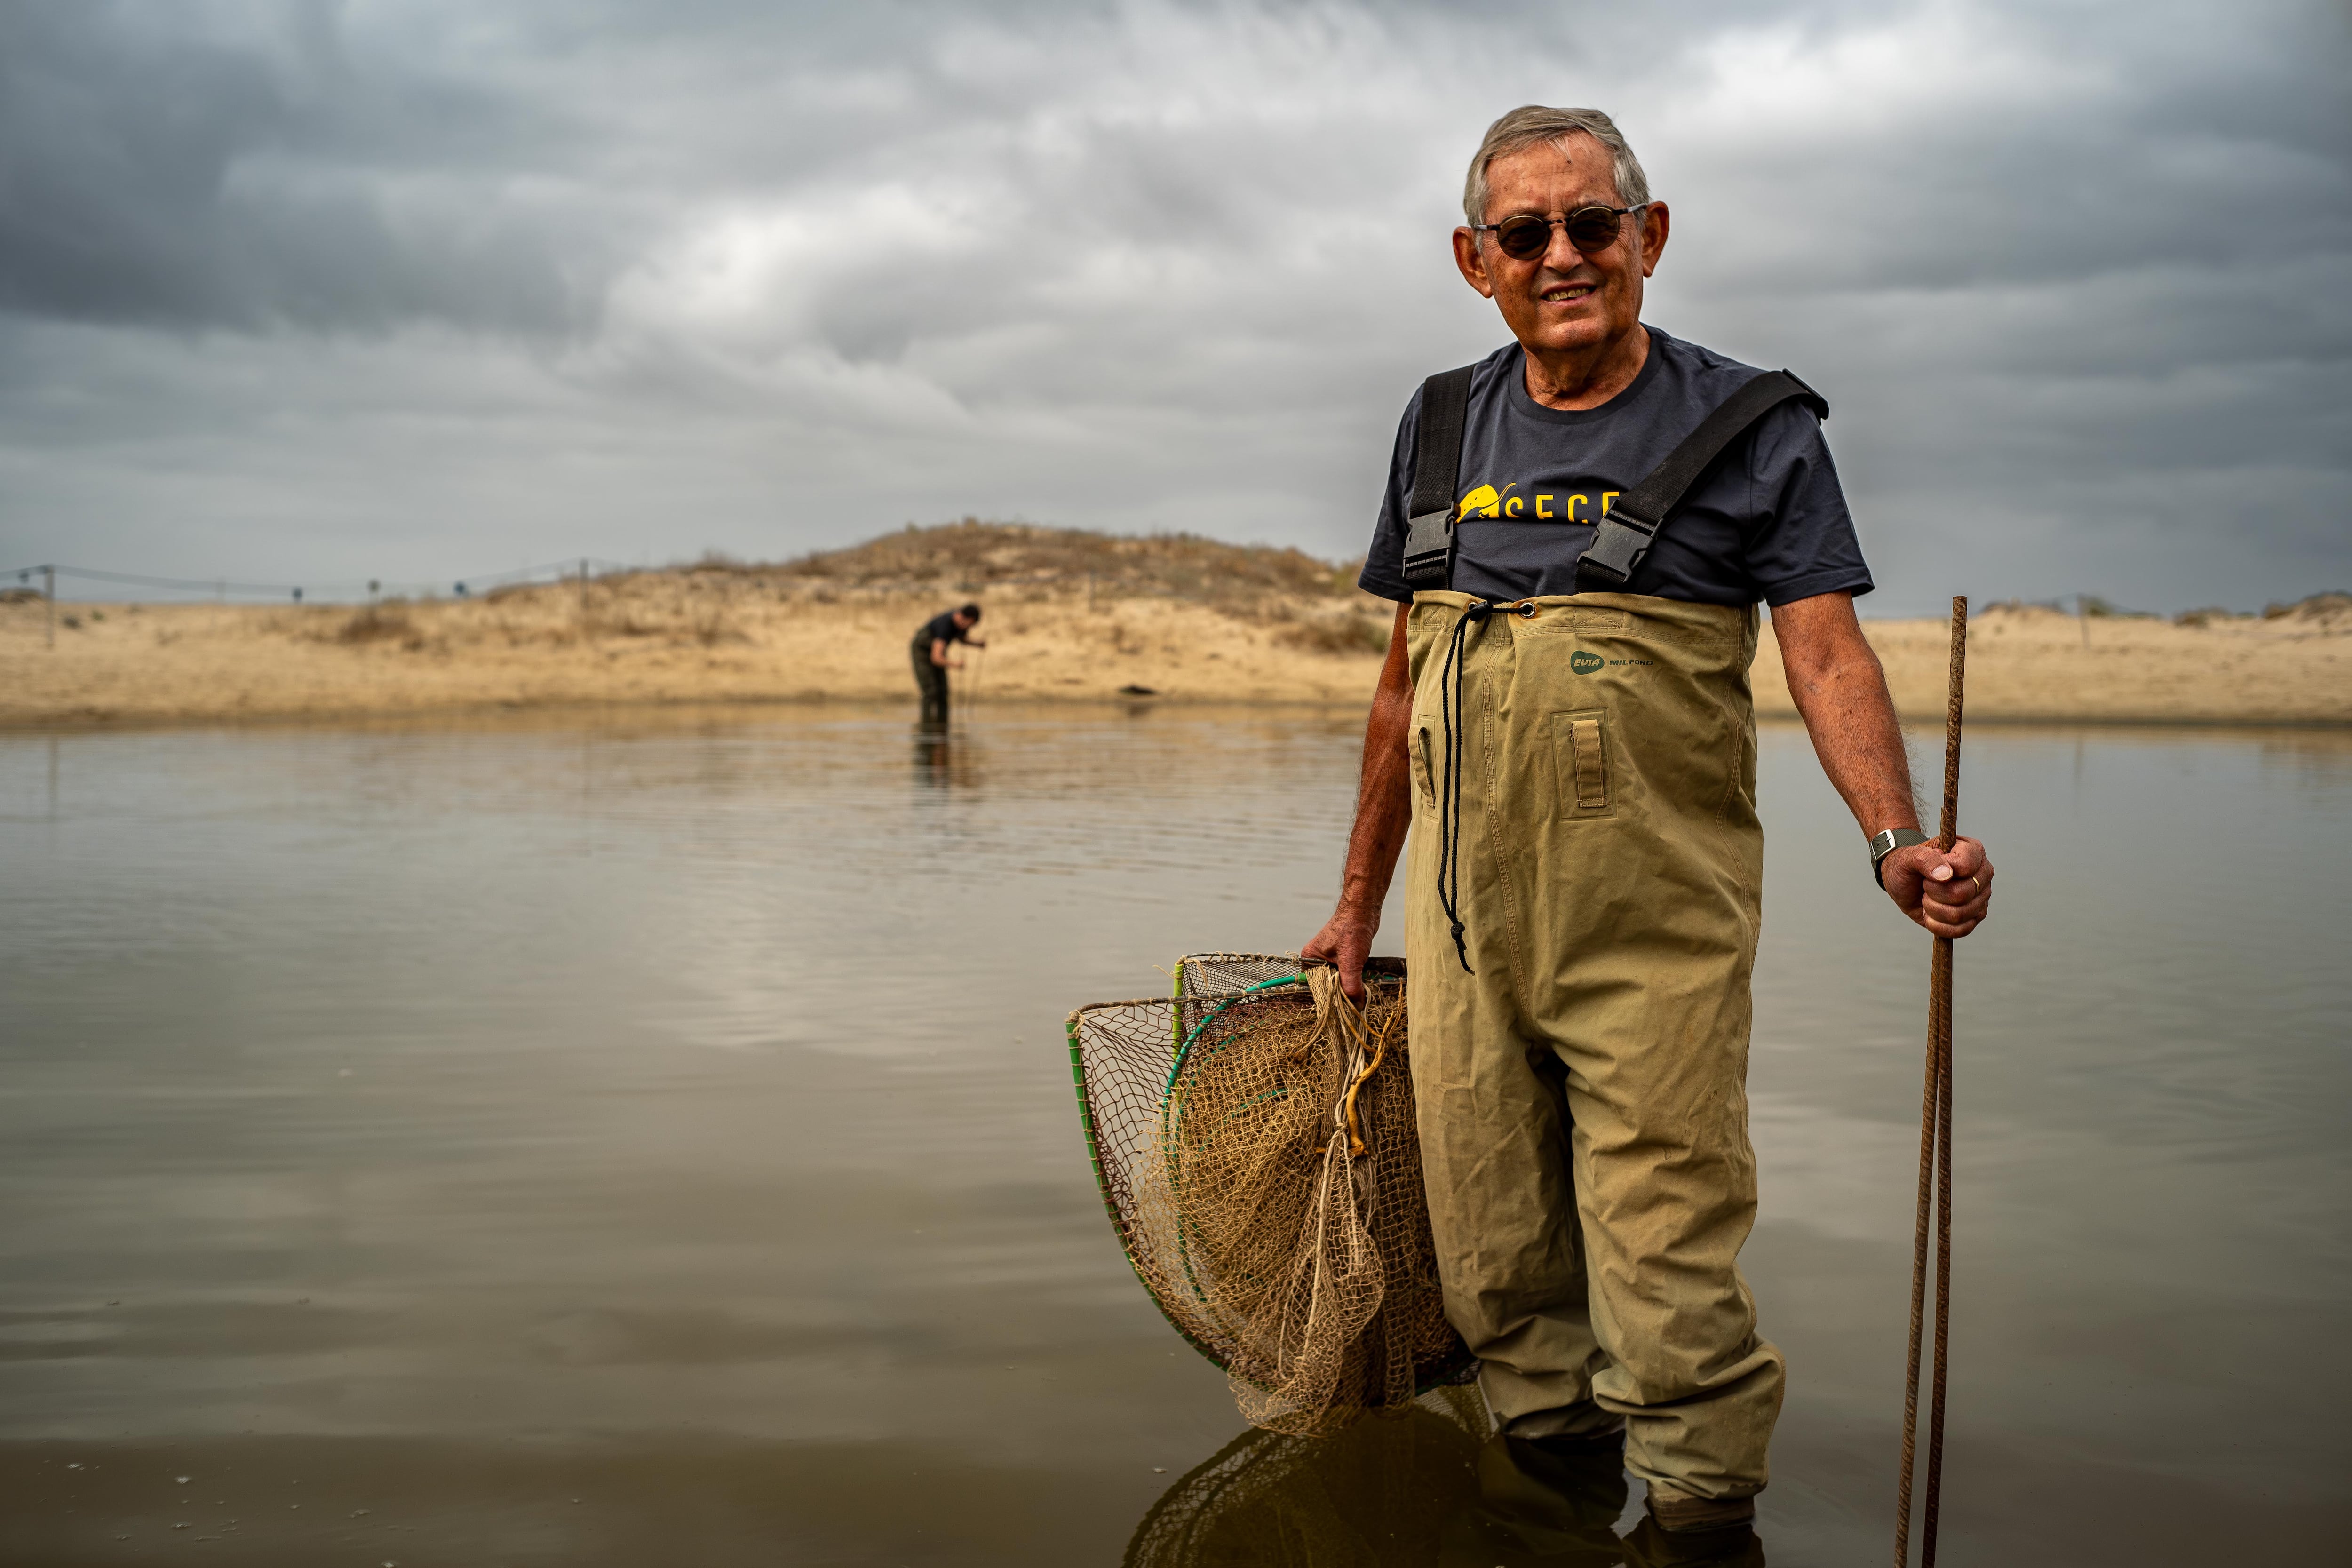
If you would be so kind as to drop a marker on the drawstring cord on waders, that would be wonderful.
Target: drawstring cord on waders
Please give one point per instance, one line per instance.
(1935, 1161)
(1456, 724)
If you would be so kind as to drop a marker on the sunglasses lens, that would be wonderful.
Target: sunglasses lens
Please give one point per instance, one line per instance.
(1591, 229)
(1523, 238)
(1526, 236)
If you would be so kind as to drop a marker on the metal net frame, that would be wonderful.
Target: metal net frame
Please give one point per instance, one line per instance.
(1253, 1136)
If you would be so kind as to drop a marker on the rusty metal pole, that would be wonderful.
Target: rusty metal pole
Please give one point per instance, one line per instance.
(1935, 1161)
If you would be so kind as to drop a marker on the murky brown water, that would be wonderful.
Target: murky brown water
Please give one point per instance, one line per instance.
(650, 1140)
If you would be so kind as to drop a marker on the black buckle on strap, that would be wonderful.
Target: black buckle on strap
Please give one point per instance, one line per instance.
(1619, 543)
(1429, 551)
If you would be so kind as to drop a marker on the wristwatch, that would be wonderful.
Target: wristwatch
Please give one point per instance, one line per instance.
(1885, 842)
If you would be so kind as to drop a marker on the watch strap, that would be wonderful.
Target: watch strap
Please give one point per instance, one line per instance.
(1885, 842)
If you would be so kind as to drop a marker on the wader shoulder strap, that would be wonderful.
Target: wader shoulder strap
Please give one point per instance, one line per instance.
(1626, 533)
(1436, 467)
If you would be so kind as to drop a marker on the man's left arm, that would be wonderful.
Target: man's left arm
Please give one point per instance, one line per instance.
(1840, 692)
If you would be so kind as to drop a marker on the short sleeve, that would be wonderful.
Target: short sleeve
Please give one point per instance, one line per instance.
(1802, 541)
(1383, 573)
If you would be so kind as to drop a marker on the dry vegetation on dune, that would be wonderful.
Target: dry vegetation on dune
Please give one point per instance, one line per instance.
(972, 557)
(1070, 614)
(1313, 605)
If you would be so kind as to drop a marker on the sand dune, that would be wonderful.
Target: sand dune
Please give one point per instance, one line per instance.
(1066, 621)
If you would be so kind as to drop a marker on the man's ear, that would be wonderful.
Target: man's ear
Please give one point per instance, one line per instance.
(1656, 222)
(1471, 258)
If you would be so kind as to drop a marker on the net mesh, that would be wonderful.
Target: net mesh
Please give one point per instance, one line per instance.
(1253, 1138)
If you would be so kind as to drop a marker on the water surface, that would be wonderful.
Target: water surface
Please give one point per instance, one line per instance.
(649, 1139)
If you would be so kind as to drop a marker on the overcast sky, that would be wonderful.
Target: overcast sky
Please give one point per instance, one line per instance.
(292, 288)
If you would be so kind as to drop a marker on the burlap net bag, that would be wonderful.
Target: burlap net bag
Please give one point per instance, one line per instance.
(1254, 1139)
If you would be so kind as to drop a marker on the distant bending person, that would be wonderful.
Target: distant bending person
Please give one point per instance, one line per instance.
(930, 652)
(1576, 531)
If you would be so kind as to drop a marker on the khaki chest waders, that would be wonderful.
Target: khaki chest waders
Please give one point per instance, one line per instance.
(1584, 812)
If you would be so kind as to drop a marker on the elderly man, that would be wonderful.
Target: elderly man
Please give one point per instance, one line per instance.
(1578, 529)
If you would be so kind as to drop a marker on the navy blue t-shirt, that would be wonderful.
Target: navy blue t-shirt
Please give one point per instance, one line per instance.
(1768, 523)
(942, 628)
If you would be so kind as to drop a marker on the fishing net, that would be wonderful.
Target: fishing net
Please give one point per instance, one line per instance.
(1253, 1138)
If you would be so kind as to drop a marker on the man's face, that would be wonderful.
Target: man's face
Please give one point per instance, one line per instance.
(1563, 301)
(964, 622)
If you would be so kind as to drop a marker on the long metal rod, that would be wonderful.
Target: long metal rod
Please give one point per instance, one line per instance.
(1931, 1102)
(1935, 1161)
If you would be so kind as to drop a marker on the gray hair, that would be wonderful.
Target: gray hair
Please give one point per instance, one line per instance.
(1533, 124)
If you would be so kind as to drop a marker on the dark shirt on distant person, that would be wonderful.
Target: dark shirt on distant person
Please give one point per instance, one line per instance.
(940, 628)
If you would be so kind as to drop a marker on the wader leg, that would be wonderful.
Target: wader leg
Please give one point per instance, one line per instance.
(1666, 1195)
(1493, 1116)
(931, 681)
(1494, 1160)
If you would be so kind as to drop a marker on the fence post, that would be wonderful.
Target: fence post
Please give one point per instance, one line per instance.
(49, 596)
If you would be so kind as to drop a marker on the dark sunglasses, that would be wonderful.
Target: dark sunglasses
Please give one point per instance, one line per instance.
(1524, 236)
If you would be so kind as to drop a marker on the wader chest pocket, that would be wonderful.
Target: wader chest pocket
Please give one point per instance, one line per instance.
(1580, 749)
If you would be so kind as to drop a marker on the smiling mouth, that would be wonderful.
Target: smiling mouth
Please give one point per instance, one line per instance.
(1565, 293)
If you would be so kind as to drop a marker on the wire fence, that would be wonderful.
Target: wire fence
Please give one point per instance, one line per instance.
(47, 575)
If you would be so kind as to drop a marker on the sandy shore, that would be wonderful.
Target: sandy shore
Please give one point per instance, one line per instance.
(720, 636)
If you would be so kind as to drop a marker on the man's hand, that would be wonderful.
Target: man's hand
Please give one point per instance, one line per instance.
(1344, 941)
(1948, 894)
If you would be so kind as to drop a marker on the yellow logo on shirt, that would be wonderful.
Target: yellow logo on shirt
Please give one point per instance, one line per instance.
(1481, 503)
(1487, 501)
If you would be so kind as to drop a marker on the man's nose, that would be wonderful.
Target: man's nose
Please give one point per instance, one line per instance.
(1561, 255)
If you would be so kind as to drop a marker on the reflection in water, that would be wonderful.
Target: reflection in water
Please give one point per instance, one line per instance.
(1425, 1486)
(1382, 1491)
(945, 758)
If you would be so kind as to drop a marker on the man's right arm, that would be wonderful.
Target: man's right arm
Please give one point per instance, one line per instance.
(1383, 814)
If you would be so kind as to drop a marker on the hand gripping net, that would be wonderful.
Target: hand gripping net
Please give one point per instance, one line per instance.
(1253, 1138)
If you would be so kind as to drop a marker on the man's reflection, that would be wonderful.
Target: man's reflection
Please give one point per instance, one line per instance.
(1418, 1487)
(1557, 1502)
(944, 759)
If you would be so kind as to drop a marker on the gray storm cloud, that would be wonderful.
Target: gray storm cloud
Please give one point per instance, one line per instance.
(358, 290)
